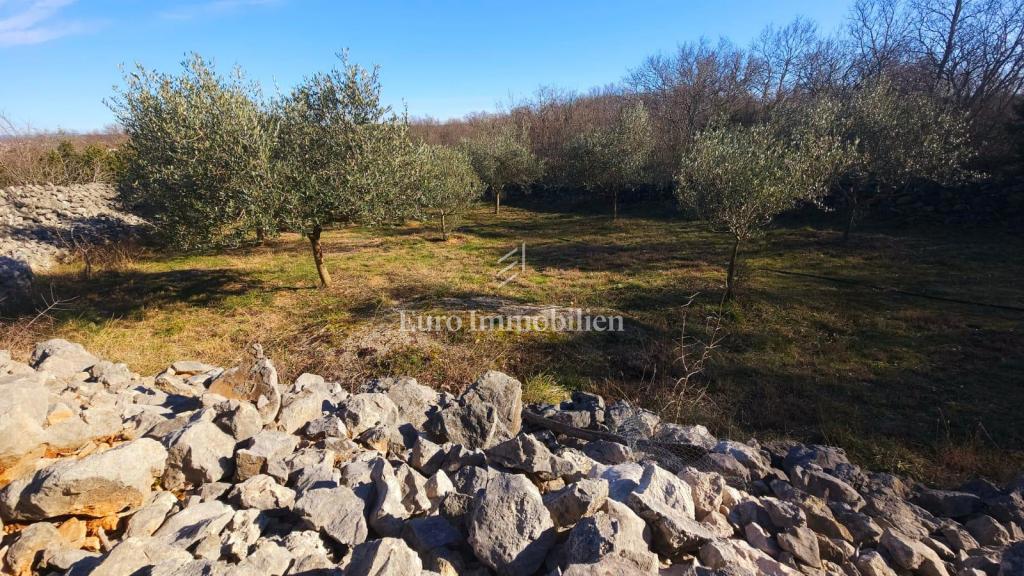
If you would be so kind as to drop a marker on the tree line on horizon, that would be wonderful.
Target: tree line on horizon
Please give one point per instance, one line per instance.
(911, 92)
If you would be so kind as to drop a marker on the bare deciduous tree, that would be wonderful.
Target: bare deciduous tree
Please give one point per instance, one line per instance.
(684, 92)
(974, 50)
(782, 54)
(880, 36)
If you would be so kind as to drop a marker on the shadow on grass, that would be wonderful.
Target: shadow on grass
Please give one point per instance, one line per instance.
(650, 207)
(819, 362)
(77, 231)
(115, 294)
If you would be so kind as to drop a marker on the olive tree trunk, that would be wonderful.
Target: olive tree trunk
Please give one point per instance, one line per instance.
(851, 213)
(497, 200)
(730, 277)
(615, 204)
(318, 257)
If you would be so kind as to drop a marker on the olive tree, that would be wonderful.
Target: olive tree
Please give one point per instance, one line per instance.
(446, 183)
(610, 159)
(739, 178)
(343, 157)
(501, 156)
(896, 138)
(198, 160)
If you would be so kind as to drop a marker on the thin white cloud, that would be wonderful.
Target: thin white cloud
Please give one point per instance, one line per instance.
(37, 21)
(213, 8)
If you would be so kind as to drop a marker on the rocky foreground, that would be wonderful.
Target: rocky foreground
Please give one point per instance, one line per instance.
(201, 470)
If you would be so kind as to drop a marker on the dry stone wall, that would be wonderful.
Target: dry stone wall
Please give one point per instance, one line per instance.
(39, 225)
(202, 470)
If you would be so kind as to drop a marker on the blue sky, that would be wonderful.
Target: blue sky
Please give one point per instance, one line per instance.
(60, 58)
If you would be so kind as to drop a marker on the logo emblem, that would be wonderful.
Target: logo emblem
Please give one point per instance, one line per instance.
(509, 272)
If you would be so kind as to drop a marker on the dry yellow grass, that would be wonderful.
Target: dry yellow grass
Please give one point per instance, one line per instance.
(903, 383)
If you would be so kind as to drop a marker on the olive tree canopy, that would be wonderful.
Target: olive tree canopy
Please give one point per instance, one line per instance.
(609, 159)
(739, 178)
(446, 183)
(198, 160)
(501, 157)
(344, 158)
(896, 138)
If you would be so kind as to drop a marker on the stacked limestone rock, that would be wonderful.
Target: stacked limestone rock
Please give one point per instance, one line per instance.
(37, 222)
(201, 470)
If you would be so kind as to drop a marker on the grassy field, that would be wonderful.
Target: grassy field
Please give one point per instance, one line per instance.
(906, 383)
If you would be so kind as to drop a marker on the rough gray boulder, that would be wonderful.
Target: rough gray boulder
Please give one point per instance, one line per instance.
(262, 492)
(427, 456)
(987, 531)
(193, 523)
(337, 512)
(98, 485)
(695, 435)
(568, 505)
(502, 392)
(238, 418)
(871, 563)
(510, 530)
(474, 425)
(911, 554)
(415, 402)
(255, 383)
(949, 503)
(527, 454)
(725, 555)
(301, 408)
(384, 557)
(430, 533)
(802, 543)
(62, 358)
(829, 458)
(1013, 560)
(706, 488)
(30, 542)
(750, 457)
(622, 478)
(626, 419)
(487, 413)
(388, 513)
(265, 454)
(145, 521)
(268, 558)
(23, 411)
(824, 485)
(615, 530)
(361, 412)
(666, 503)
(112, 376)
(198, 453)
(136, 554)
